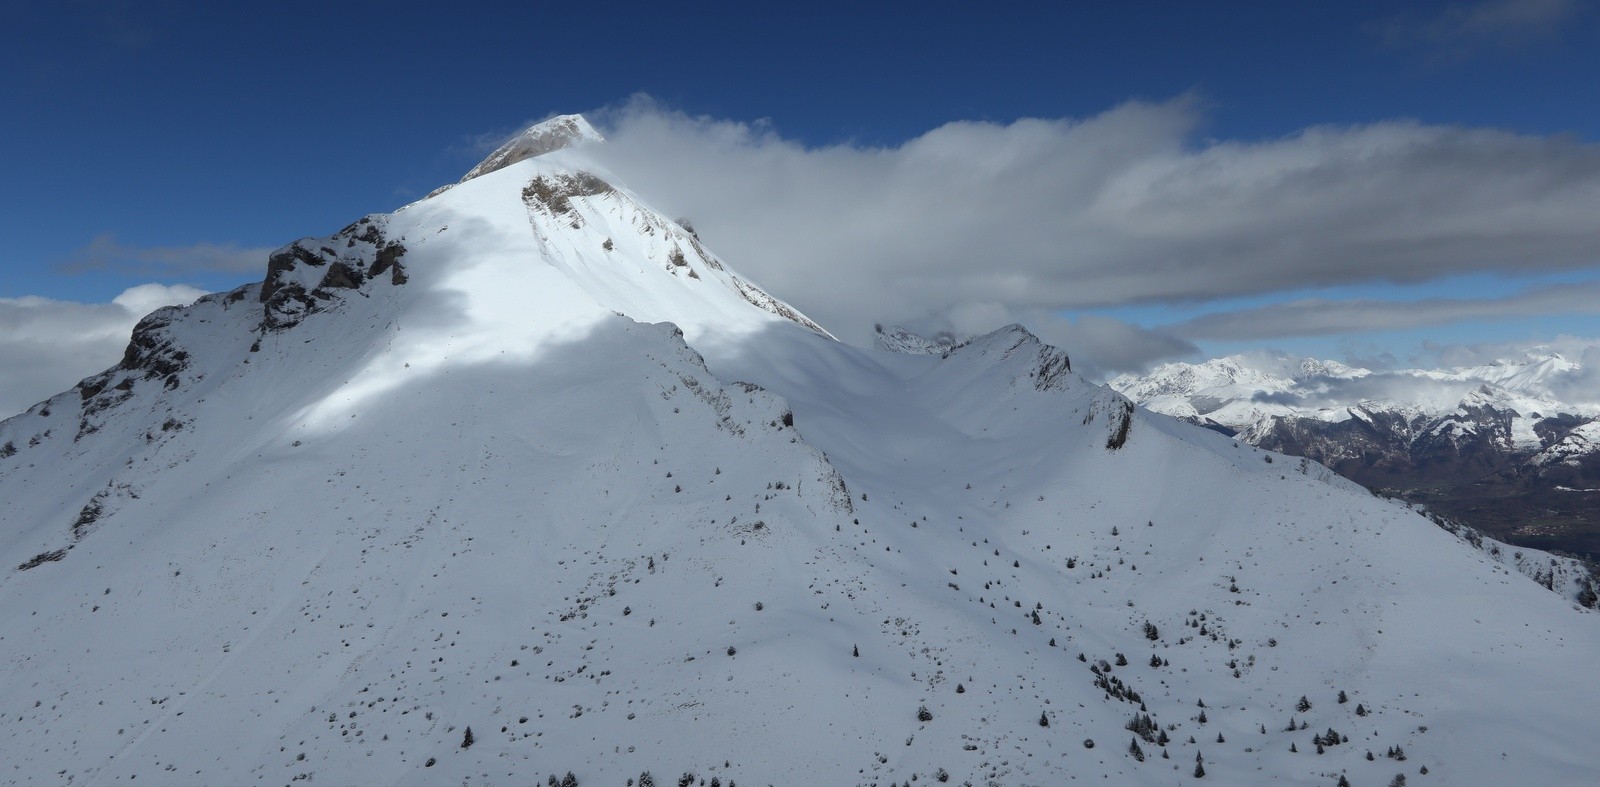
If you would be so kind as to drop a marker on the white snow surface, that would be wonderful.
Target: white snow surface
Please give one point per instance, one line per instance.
(617, 518)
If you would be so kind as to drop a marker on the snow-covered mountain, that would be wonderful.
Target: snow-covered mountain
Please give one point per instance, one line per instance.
(520, 480)
(1502, 446)
(1238, 391)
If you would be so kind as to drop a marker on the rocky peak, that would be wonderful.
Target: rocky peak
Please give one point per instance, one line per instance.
(305, 275)
(557, 133)
(894, 338)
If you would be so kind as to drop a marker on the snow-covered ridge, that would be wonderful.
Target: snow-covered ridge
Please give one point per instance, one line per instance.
(1578, 444)
(900, 340)
(524, 459)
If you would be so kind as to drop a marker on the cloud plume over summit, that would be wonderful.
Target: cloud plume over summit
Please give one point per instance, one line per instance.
(1128, 206)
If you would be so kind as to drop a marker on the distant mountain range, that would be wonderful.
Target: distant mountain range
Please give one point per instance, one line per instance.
(1511, 448)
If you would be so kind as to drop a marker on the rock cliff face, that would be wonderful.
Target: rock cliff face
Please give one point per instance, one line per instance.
(308, 274)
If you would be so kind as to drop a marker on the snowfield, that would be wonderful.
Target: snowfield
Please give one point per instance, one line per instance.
(524, 457)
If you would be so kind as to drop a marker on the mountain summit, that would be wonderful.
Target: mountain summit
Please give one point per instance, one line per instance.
(548, 136)
(557, 133)
(521, 480)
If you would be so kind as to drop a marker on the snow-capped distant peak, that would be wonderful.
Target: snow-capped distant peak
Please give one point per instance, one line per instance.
(1188, 379)
(1312, 367)
(557, 133)
(1531, 375)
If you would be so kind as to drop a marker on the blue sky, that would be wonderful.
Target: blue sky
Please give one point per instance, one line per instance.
(169, 142)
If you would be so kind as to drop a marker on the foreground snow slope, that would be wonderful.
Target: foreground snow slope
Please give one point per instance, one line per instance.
(450, 468)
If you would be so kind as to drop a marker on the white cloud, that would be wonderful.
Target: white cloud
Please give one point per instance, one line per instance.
(105, 252)
(1582, 384)
(1462, 30)
(46, 346)
(1126, 206)
(1579, 385)
(1478, 354)
(1324, 391)
(146, 298)
(1319, 317)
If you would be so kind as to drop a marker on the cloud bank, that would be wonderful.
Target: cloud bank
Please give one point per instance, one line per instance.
(47, 345)
(1128, 206)
(1319, 317)
(105, 253)
(1462, 30)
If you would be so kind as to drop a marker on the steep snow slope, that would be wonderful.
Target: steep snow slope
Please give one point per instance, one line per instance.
(424, 477)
